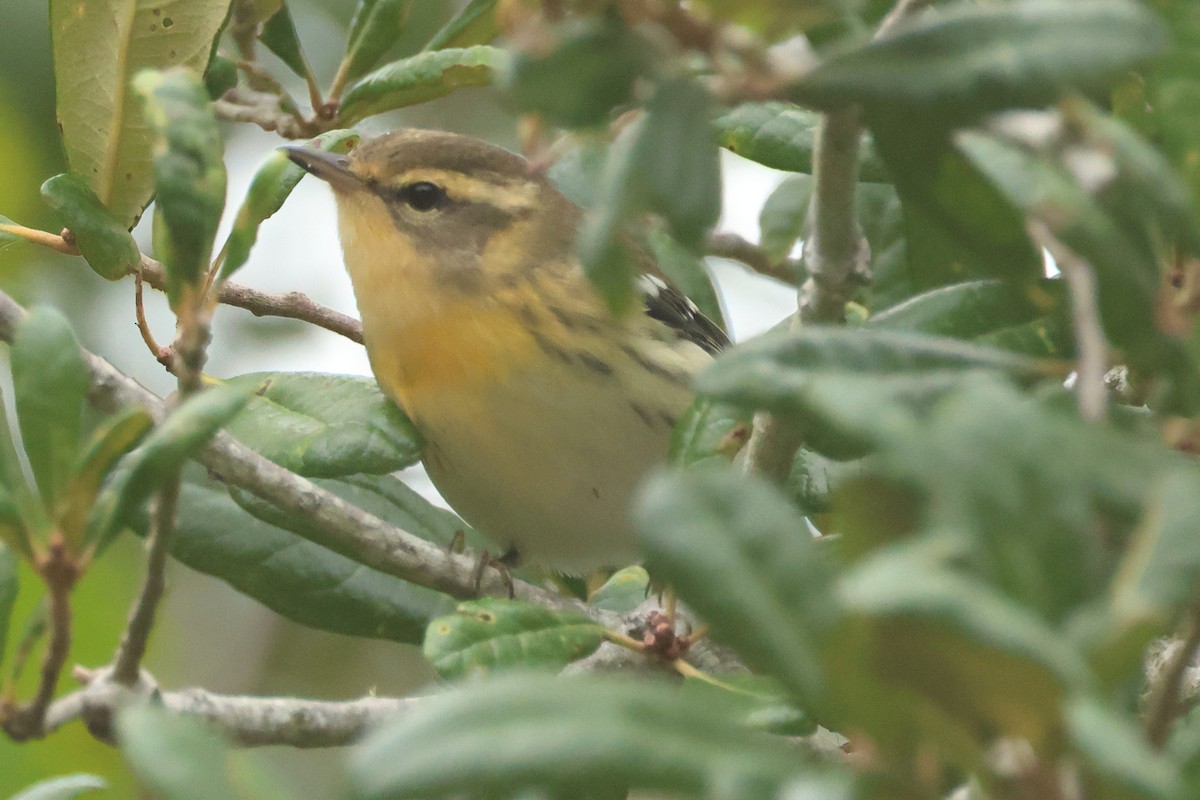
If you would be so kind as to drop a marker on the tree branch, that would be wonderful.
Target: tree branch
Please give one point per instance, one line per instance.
(736, 248)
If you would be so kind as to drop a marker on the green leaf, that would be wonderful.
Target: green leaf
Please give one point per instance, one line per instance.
(51, 383)
(189, 173)
(376, 26)
(849, 389)
(322, 425)
(491, 634)
(475, 23)
(9, 585)
(742, 556)
(303, 581)
(565, 734)
(179, 437)
(269, 188)
(1031, 318)
(756, 702)
(420, 78)
(784, 215)
(707, 432)
(179, 758)
(111, 440)
(280, 37)
(587, 73)
(62, 788)
(937, 628)
(676, 162)
(813, 479)
(969, 58)
(98, 47)
(625, 590)
(781, 135)
(220, 77)
(99, 234)
(21, 510)
(1114, 748)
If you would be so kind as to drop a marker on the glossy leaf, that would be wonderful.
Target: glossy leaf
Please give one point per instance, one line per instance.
(179, 437)
(475, 23)
(99, 234)
(420, 78)
(9, 584)
(376, 26)
(98, 47)
(781, 135)
(625, 590)
(971, 58)
(588, 72)
(280, 37)
(111, 440)
(270, 187)
(508, 734)
(742, 556)
(51, 382)
(784, 215)
(491, 635)
(189, 174)
(66, 787)
(303, 581)
(322, 425)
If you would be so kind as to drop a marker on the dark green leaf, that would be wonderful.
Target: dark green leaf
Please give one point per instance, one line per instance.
(376, 26)
(280, 37)
(625, 590)
(8, 592)
(584, 76)
(971, 58)
(220, 77)
(51, 383)
(101, 237)
(1114, 748)
(63, 788)
(323, 425)
(179, 437)
(675, 163)
(112, 439)
(98, 48)
(491, 634)
(1030, 318)
(742, 556)
(303, 581)
(780, 136)
(783, 217)
(189, 174)
(813, 478)
(420, 78)
(474, 24)
(269, 188)
(566, 734)
(849, 388)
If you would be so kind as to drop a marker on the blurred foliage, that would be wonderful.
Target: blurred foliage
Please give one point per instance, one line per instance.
(993, 566)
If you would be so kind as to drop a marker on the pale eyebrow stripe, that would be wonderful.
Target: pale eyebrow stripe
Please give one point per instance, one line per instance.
(509, 195)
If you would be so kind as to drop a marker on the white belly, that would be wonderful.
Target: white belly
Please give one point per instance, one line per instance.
(550, 464)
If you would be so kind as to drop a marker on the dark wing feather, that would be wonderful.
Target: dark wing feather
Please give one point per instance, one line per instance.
(671, 307)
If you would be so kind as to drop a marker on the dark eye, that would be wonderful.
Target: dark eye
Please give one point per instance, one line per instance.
(423, 195)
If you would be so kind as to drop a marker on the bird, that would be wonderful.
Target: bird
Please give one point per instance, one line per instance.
(541, 409)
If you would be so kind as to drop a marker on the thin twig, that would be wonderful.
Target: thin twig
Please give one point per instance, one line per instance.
(161, 354)
(736, 248)
(128, 659)
(1164, 704)
(1090, 391)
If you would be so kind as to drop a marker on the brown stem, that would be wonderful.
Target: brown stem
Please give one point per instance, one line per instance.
(736, 248)
(163, 355)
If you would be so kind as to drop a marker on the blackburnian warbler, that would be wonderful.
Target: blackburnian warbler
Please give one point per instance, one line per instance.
(541, 410)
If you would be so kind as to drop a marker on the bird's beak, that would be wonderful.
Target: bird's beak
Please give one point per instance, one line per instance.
(333, 168)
